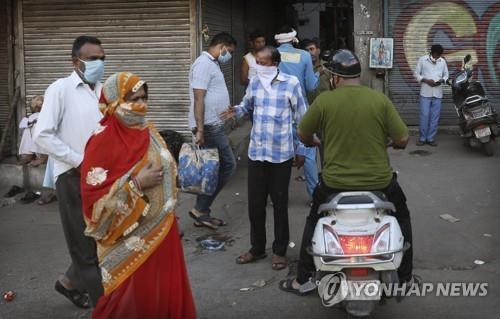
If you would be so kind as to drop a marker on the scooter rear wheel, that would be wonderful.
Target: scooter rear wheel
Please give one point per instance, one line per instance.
(489, 148)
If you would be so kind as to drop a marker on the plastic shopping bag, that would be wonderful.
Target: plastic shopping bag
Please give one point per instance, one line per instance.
(198, 169)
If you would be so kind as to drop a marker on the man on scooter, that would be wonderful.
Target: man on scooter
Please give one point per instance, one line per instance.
(355, 123)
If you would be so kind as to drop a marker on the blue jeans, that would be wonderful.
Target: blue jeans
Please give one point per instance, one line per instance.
(311, 170)
(430, 109)
(215, 137)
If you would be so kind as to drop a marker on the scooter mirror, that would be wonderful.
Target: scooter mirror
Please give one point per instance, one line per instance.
(467, 58)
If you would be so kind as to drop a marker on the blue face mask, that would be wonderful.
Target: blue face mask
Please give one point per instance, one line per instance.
(94, 71)
(225, 58)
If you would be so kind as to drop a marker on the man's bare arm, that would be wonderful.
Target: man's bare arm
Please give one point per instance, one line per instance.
(199, 114)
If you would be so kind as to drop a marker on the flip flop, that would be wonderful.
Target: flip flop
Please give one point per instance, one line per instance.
(13, 191)
(278, 262)
(287, 285)
(204, 220)
(248, 257)
(29, 197)
(219, 222)
(77, 298)
(300, 178)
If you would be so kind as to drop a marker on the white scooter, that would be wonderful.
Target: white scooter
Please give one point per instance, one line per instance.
(357, 249)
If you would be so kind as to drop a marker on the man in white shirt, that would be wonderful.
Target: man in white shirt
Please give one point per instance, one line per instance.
(210, 97)
(69, 116)
(432, 73)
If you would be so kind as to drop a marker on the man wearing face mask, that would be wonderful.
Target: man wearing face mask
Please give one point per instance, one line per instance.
(210, 97)
(431, 73)
(356, 121)
(69, 115)
(275, 99)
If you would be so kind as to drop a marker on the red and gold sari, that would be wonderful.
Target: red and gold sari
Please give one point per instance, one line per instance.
(138, 245)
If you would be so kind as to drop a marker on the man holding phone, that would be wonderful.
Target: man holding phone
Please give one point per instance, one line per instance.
(431, 73)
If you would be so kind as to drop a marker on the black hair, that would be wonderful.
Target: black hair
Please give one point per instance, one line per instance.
(224, 38)
(285, 29)
(174, 142)
(256, 34)
(437, 48)
(275, 54)
(80, 42)
(307, 42)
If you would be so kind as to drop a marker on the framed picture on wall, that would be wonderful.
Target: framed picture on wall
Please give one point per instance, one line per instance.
(381, 53)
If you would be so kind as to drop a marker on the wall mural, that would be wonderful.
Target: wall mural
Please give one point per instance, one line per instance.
(468, 33)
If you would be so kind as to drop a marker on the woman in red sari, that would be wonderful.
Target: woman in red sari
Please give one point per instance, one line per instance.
(129, 194)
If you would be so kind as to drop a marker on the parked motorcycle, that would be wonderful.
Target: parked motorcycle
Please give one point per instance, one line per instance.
(357, 247)
(477, 118)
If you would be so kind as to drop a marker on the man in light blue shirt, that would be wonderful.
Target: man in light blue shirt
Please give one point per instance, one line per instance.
(210, 97)
(276, 102)
(298, 63)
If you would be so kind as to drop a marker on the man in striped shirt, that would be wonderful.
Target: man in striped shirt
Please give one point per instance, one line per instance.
(276, 101)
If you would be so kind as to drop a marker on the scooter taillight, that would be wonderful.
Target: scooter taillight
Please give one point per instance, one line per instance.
(356, 244)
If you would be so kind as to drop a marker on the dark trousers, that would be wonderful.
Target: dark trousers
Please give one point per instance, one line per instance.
(83, 272)
(265, 178)
(394, 194)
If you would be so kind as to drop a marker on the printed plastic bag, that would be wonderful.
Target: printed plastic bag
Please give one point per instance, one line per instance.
(198, 169)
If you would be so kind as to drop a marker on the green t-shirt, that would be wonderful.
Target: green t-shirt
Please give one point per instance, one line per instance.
(354, 122)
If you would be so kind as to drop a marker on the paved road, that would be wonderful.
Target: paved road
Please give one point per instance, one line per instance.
(449, 179)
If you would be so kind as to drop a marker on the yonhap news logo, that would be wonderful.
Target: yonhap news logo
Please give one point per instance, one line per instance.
(335, 288)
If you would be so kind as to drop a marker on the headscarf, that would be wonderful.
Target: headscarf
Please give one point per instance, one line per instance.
(286, 37)
(121, 140)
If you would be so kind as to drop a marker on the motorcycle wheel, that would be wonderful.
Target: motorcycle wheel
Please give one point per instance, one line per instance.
(489, 148)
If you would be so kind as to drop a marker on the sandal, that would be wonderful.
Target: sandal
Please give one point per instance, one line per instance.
(248, 257)
(204, 220)
(287, 285)
(215, 221)
(13, 191)
(29, 197)
(77, 298)
(278, 262)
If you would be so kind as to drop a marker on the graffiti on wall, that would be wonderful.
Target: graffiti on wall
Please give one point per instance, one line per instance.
(467, 32)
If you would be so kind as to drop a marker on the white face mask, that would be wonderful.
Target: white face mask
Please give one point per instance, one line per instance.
(266, 75)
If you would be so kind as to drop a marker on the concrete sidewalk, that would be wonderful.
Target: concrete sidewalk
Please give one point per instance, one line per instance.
(448, 179)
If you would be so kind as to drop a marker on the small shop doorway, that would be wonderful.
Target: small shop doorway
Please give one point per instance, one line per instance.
(330, 21)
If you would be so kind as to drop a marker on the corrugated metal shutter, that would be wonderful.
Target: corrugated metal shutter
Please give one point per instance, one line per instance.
(4, 67)
(216, 14)
(150, 38)
(461, 28)
(238, 32)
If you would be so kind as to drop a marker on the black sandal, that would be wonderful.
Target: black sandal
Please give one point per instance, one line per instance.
(287, 285)
(77, 298)
(204, 220)
(29, 198)
(218, 222)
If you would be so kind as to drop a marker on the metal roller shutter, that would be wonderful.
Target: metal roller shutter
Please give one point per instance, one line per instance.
(461, 28)
(216, 14)
(4, 68)
(149, 38)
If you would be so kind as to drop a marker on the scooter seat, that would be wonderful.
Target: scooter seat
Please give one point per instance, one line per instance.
(361, 199)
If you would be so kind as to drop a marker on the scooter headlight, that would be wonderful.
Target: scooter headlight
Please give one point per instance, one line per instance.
(382, 239)
(332, 243)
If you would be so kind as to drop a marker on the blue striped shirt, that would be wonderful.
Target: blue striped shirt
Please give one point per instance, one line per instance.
(274, 114)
